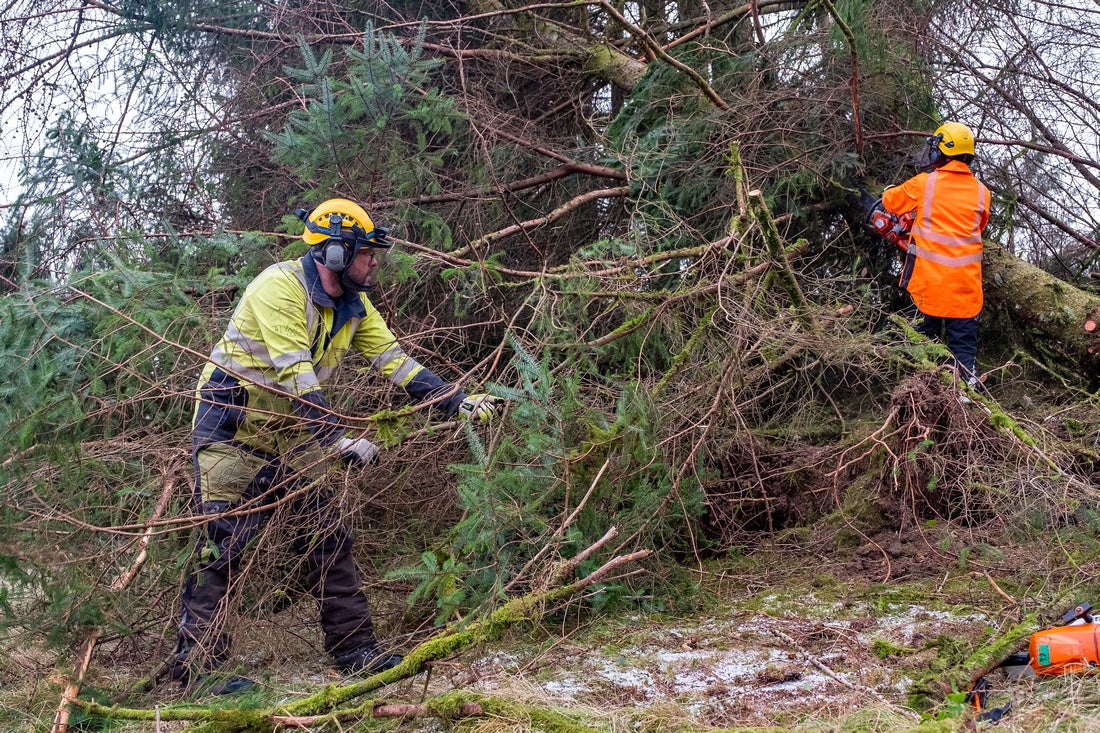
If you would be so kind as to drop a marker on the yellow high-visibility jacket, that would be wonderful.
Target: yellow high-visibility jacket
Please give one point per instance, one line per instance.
(262, 387)
(943, 269)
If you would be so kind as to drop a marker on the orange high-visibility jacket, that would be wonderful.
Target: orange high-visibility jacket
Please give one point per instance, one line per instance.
(945, 246)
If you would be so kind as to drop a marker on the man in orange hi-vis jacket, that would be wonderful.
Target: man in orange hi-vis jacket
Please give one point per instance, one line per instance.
(943, 263)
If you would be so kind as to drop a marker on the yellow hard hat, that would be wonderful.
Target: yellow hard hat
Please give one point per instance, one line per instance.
(954, 138)
(319, 222)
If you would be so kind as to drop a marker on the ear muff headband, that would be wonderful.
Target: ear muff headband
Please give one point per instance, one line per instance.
(340, 246)
(376, 238)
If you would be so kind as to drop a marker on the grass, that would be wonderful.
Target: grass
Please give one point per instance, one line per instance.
(807, 649)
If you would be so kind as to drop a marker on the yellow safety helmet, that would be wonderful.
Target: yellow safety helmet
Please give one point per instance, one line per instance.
(953, 138)
(319, 221)
(336, 231)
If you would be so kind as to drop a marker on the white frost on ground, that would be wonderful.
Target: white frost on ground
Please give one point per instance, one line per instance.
(729, 669)
(904, 625)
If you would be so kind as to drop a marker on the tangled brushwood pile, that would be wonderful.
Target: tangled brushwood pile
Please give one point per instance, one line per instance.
(942, 454)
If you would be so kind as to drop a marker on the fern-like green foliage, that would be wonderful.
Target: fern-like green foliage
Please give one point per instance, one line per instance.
(470, 283)
(96, 383)
(663, 130)
(438, 578)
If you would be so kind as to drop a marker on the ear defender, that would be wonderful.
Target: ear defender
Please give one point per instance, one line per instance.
(334, 254)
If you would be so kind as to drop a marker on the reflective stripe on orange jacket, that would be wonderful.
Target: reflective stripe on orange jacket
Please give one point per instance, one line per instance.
(952, 209)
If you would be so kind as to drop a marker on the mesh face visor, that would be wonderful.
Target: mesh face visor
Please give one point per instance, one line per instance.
(377, 242)
(930, 155)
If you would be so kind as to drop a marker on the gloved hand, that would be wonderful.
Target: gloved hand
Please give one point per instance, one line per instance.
(359, 451)
(480, 407)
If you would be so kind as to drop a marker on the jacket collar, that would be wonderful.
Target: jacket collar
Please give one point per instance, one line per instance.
(954, 166)
(347, 306)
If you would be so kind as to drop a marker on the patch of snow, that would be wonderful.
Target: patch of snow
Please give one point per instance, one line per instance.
(733, 667)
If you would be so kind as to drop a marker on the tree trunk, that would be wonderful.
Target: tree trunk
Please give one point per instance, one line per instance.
(1056, 322)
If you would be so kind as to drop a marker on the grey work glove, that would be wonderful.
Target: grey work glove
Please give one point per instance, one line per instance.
(359, 451)
(479, 407)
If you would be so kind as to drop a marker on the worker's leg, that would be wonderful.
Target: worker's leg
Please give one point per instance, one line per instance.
(324, 542)
(201, 643)
(930, 326)
(962, 339)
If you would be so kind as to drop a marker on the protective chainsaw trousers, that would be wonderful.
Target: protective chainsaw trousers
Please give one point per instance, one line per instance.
(961, 337)
(320, 537)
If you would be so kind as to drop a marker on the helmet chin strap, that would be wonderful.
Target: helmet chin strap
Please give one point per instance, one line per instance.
(350, 286)
(375, 240)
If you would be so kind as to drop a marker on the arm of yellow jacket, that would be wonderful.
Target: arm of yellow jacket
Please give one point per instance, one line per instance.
(279, 311)
(376, 342)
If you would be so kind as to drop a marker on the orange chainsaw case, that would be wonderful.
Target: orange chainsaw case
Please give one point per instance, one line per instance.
(1065, 649)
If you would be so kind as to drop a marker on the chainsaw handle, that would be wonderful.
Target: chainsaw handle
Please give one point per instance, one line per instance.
(1080, 611)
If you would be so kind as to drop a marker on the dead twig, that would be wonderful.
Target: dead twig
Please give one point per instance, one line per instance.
(84, 660)
(834, 676)
(996, 588)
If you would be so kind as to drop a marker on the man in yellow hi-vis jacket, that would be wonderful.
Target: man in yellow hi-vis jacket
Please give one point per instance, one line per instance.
(263, 435)
(943, 264)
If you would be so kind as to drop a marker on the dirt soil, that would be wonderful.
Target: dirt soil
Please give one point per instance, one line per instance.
(779, 657)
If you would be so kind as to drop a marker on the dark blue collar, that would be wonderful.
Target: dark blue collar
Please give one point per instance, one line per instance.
(347, 306)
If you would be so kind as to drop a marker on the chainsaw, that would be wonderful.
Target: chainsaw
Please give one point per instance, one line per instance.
(1071, 648)
(893, 228)
(1067, 649)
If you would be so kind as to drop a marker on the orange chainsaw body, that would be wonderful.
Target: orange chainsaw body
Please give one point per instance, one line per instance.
(1065, 649)
(895, 229)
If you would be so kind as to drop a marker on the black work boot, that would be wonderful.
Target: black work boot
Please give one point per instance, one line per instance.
(367, 659)
(213, 684)
(201, 678)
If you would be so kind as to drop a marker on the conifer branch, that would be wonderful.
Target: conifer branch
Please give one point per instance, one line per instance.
(554, 215)
(763, 217)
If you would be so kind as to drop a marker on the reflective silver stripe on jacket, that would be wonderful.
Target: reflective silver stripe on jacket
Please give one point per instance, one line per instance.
(300, 384)
(402, 373)
(945, 259)
(923, 226)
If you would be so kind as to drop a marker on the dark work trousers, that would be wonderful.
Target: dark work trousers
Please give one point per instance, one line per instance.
(319, 535)
(961, 337)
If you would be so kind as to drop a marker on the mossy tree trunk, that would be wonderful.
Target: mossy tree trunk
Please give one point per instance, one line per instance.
(1052, 320)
